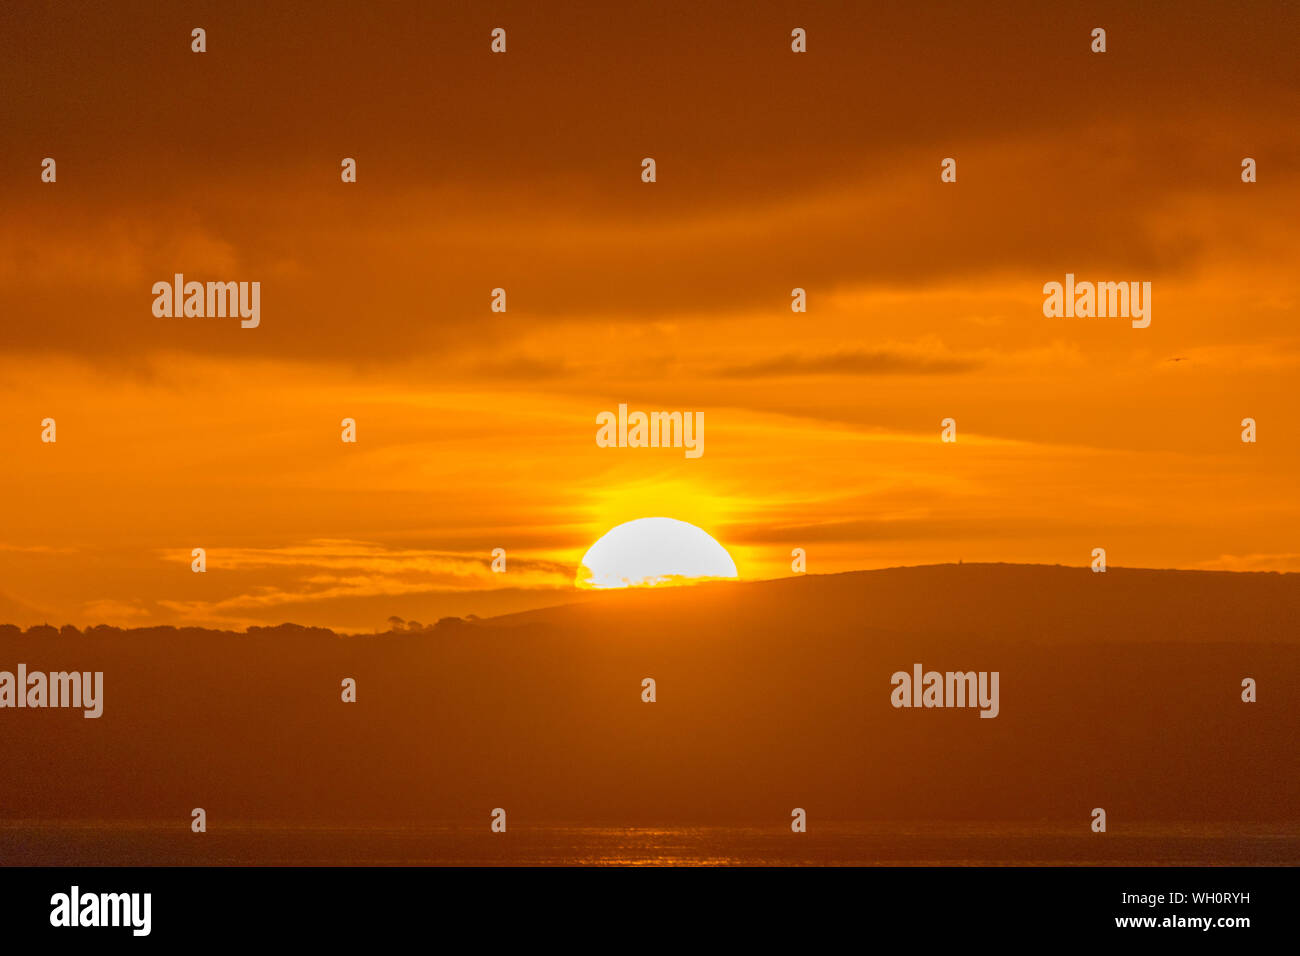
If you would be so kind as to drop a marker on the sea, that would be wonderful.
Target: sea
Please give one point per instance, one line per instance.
(92, 843)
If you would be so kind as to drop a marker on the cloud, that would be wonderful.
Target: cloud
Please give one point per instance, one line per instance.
(322, 571)
(409, 271)
(342, 554)
(116, 612)
(1286, 561)
(522, 368)
(882, 361)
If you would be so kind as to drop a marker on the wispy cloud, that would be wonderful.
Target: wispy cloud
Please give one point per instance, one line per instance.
(321, 571)
(881, 361)
(1288, 561)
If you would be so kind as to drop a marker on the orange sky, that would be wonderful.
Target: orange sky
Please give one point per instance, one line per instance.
(775, 170)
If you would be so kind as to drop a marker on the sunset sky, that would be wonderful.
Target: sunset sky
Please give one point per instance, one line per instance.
(775, 170)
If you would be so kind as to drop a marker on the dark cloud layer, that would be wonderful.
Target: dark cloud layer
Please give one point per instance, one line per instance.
(521, 171)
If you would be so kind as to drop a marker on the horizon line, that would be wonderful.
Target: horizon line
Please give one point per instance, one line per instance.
(587, 593)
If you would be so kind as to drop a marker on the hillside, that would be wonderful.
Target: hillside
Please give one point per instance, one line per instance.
(1119, 690)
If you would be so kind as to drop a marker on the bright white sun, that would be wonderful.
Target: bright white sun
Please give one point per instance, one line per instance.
(653, 551)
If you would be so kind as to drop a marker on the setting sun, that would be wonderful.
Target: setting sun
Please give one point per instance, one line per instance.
(651, 552)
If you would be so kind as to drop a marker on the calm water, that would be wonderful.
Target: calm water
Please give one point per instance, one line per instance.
(85, 844)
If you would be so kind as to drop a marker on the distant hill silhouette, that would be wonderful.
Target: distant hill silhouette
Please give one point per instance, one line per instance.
(1119, 690)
